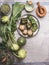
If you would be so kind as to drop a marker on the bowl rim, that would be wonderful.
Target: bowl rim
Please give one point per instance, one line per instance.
(37, 22)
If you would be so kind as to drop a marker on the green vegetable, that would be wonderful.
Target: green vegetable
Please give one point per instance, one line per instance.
(23, 21)
(5, 19)
(31, 19)
(16, 13)
(17, 9)
(11, 43)
(34, 27)
(21, 54)
(7, 30)
(29, 25)
(5, 8)
(33, 22)
(14, 47)
(3, 28)
(11, 25)
(21, 41)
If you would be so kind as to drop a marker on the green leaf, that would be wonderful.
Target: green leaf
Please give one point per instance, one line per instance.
(16, 13)
(17, 8)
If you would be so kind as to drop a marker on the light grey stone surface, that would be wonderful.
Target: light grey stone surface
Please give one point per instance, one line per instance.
(37, 47)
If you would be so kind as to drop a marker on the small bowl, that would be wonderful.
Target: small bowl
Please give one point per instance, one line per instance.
(28, 7)
(18, 23)
(10, 6)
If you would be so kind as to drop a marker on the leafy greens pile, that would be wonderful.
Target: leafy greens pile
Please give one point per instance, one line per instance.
(7, 29)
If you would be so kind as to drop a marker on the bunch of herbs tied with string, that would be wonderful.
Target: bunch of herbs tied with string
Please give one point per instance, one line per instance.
(7, 29)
